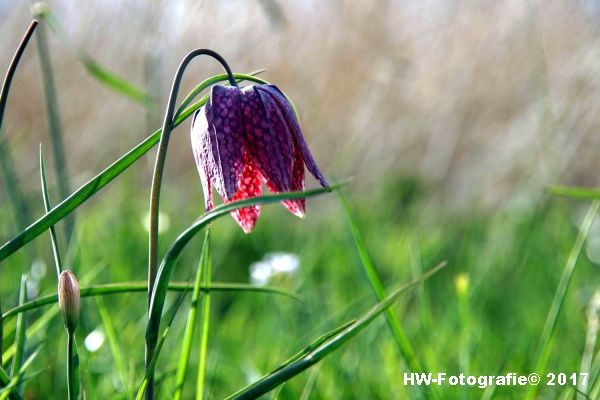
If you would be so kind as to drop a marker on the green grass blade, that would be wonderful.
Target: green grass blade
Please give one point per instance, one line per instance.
(1, 333)
(315, 344)
(205, 84)
(54, 125)
(20, 335)
(5, 381)
(396, 328)
(152, 365)
(113, 342)
(47, 207)
(281, 375)
(166, 267)
(142, 286)
(310, 384)
(545, 344)
(576, 192)
(15, 381)
(205, 316)
(188, 334)
(94, 185)
(33, 329)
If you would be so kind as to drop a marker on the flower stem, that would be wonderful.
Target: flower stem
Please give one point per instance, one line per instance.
(157, 180)
(70, 368)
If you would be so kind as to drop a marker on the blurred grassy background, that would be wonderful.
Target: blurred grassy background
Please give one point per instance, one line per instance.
(451, 115)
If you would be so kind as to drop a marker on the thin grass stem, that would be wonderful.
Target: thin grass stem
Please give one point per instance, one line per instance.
(205, 317)
(190, 326)
(72, 395)
(54, 124)
(546, 339)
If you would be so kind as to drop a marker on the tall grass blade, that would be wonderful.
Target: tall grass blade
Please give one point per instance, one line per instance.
(5, 381)
(188, 334)
(205, 317)
(33, 330)
(396, 328)
(323, 349)
(54, 125)
(113, 342)
(545, 344)
(166, 267)
(94, 185)
(20, 335)
(8, 392)
(1, 332)
(47, 207)
(152, 364)
(138, 287)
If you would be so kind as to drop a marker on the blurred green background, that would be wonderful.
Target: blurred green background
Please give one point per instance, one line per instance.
(452, 117)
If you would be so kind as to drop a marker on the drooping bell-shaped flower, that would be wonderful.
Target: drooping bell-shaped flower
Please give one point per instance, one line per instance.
(244, 137)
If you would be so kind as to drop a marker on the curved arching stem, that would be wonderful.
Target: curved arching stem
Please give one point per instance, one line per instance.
(13, 67)
(157, 180)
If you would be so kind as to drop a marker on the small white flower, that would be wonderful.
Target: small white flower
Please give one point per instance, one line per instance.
(94, 340)
(272, 264)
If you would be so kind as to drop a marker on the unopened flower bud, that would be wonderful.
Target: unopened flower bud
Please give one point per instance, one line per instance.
(68, 299)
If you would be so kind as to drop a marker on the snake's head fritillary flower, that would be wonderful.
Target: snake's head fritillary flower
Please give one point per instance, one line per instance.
(68, 299)
(243, 137)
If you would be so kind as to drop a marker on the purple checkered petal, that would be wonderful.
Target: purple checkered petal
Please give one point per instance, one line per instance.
(201, 148)
(226, 139)
(268, 138)
(294, 127)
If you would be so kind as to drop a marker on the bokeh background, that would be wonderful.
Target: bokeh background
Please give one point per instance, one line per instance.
(451, 116)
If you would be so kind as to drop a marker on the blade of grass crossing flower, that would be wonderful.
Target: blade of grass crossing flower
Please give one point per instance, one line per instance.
(209, 82)
(188, 334)
(54, 125)
(168, 263)
(159, 345)
(322, 350)
(47, 206)
(20, 336)
(87, 190)
(546, 339)
(205, 317)
(138, 287)
(113, 342)
(398, 333)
